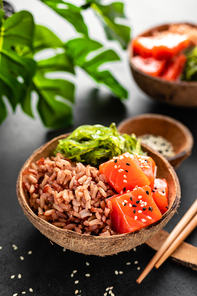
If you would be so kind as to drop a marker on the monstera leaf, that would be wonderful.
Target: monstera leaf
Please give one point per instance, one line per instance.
(79, 49)
(55, 96)
(70, 12)
(16, 71)
(108, 15)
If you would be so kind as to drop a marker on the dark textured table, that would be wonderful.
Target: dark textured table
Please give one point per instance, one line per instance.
(29, 263)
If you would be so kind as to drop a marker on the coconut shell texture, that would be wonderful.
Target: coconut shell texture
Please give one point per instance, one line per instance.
(96, 245)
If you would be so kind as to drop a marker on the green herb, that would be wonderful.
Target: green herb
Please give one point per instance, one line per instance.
(21, 40)
(95, 144)
(190, 71)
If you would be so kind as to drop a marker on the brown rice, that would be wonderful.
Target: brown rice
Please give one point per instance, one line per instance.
(69, 195)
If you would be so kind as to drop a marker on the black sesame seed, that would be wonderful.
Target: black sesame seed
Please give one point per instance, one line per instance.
(146, 160)
(127, 163)
(126, 171)
(150, 209)
(144, 209)
(163, 191)
(134, 205)
(124, 204)
(131, 198)
(147, 192)
(124, 189)
(153, 190)
(115, 160)
(134, 211)
(167, 208)
(137, 202)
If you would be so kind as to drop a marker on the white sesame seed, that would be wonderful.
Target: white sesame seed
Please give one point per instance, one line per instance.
(140, 211)
(74, 271)
(29, 253)
(143, 220)
(135, 217)
(19, 276)
(115, 166)
(87, 275)
(128, 190)
(14, 247)
(23, 292)
(130, 205)
(116, 272)
(135, 262)
(64, 250)
(87, 263)
(105, 294)
(139, 196)
(120, 170)
(15, 294)
(121, 272)
(72, 274)
(125, 176)
(22, 258)
(12, 276)
(134, 249)
(76, 282)
(138, 268)
(126, 201)
(149, 217)
(76, 292)
(31, 290)
(128, 263)
(124, 181)
(0, 247)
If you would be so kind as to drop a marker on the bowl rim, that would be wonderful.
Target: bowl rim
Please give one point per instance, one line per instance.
(159, 79)
(184, 129)
(27, 209)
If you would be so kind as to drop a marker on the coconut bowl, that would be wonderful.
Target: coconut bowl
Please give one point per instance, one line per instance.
(98, 245)
(160, 125)
(177, 93)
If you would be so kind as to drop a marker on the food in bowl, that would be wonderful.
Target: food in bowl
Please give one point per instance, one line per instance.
(168, 54)
(87, 196)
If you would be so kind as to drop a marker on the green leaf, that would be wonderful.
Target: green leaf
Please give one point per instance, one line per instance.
(108, 14)
(79, 49)
(70, 12)
(16, 71)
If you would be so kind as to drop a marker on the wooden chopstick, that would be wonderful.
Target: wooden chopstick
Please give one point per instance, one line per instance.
(176, 231)
(186, 231)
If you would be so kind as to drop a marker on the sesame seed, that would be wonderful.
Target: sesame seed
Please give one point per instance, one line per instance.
(120, 170)
(76, 282)
(131, 198)
(128, 263)
(29, 253)
(139, 211)
(134, 211)
(130, 205)
(74, 271)
(143, 220)
(23, 292)
(138, 268)
(134, 206)
(144, 209)
(134, 249)
(72, 274)
(150, 209)
(149, 217)
(135, 262)
(15, 294)
(126, 171)
(147, 192)
(19, 276)
(87, 263)
(64, 250)
(0, 247)
(115, 160)
(12, 276)
(135, 217)
(76, 291)
(105, 294)
(31, 290)
(140, 196)
(22, 258)
(116, 272)
(87, 274)
(120, 272)
(125, 201)
(127, 163)
(124, 176)
(124, 189)
(137, 201)
(115, 166)
(124, 181)
(14, 247)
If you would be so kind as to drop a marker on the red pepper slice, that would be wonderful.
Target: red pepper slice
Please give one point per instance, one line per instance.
(160, 194)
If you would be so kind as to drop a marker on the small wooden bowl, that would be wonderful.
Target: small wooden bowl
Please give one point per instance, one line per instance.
(159, 125)
(178, 93)
(97, 245)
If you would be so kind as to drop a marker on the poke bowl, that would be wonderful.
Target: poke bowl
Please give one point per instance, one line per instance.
(160, 85)
(109, 242)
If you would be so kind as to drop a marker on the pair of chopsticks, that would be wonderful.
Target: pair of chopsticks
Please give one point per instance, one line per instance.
(185, 226)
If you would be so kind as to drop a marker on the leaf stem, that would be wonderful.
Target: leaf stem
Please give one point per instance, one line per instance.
(1, 4)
